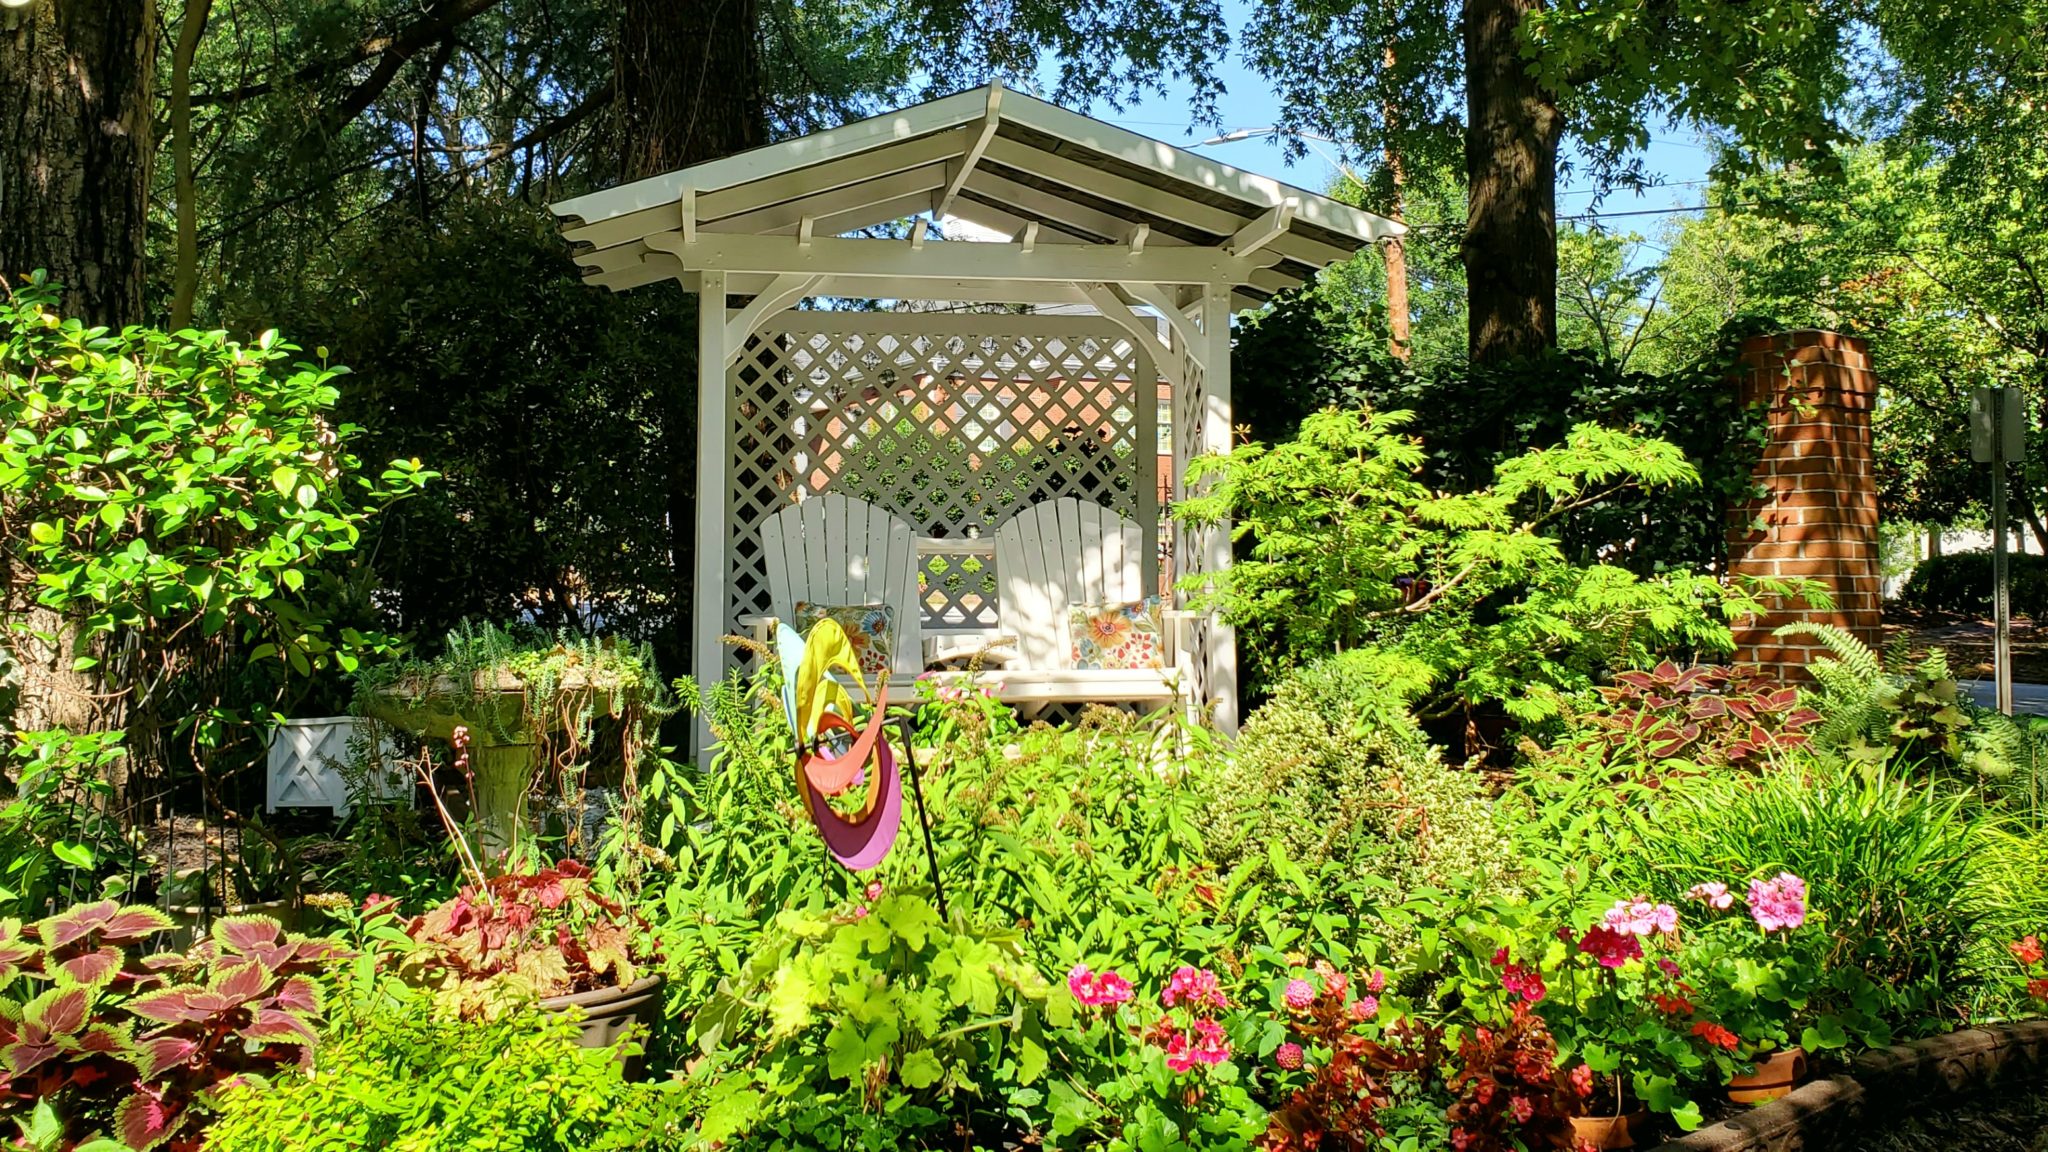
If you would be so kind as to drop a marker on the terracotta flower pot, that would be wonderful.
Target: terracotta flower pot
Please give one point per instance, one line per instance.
(607, 1012)
(1775, 1075)
(1606, 1131)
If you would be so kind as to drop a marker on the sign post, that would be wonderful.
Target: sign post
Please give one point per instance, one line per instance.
(1998, 435)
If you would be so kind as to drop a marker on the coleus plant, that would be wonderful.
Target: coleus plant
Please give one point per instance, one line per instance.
(520, 937)
(136, 1045)
(1705, 714)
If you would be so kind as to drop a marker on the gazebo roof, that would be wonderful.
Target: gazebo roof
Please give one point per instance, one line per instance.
(992, 156)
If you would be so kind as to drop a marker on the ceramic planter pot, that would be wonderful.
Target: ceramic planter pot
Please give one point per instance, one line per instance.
(1606, 1131)
(1775, 1075)
(605, 1013)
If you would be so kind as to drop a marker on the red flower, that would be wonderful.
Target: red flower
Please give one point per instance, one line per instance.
(1582, 1080)
(1674, 1005)
(2038, 989)
(1716, 1035)
(1610, 948)
(2027, 951)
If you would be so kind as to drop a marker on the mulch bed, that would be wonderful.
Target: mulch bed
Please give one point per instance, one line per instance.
(1967, 641)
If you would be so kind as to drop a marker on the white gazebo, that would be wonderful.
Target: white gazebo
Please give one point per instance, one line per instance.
(945, 424)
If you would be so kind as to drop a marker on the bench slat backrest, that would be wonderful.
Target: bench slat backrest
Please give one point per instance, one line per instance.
(1059, 555)
(837, 549)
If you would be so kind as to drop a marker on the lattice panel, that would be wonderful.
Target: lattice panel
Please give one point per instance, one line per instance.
(951, 422)
(1187, 545)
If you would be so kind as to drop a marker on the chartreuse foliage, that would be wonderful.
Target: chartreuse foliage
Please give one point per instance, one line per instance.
(880, 1025)
(1461, 597)
(400, 1081)
(139, 1048)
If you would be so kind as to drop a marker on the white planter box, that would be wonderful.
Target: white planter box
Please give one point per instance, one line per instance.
(306, 759)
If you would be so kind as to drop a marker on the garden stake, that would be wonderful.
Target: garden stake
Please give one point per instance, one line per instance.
(924, 819)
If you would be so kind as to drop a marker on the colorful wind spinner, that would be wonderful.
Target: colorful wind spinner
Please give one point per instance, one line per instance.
(835, 752)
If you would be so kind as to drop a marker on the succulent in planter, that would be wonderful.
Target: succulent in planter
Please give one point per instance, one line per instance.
(99, 1037)
(521, 937)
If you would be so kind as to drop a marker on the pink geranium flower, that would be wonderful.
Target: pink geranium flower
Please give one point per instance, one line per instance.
(1778, 903)
(1098, 989)
(1195, 987)
(1713, 894)
(1640, 917)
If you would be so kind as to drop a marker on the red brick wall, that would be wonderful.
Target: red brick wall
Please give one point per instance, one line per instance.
(1819, 516)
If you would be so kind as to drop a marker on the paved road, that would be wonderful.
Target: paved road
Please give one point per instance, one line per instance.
(2027, 699)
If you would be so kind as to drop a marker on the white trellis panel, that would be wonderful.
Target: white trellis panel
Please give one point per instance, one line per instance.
(305, 759)
(950, 422)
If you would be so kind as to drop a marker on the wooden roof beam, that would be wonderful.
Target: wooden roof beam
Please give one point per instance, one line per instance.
(958, 170)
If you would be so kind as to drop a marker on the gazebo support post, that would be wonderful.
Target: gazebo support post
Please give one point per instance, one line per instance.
(1222, 646)
(707, 655)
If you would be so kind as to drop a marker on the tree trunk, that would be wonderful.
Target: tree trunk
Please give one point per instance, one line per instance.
(1512, 129)
(1399, 342)
(689, 90)
(75, 146)
(689, 83)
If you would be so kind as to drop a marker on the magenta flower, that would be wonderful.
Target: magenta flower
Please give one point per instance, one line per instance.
(1205, 1045)
(1299, 995)
(1288, 1055)
(1365, 1008)
(1669, 966)
(1195, 987)
(1611, 948)
(1713, 894)
(1098, 989)
(1376, 983)
(874, 890)
(1778, 903)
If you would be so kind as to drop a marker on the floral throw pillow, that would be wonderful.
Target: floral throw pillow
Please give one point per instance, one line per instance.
(1118, 636)
(870, 628)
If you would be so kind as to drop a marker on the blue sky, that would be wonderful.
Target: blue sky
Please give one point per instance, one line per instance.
(1675, 158)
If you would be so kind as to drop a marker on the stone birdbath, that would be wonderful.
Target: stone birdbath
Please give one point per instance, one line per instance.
(505, 735)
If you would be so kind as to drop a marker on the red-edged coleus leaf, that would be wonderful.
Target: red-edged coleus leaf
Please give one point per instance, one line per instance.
(1707, 707)
(298, 994)
(173, 1005)
(1801, 719)
(1641, 681)
(1781, 699)
(93, 968)
(1665, 672)
(76, 923)
(275, 1026)
(1743, 709)
(240, 983)
(116, 1040)
(245, 934)
(145, 1120)
(59, 1011)
(135, 922)
(158, 1054)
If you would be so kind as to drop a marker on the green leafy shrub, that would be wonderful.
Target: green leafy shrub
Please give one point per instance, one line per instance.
(58, 833)
(404, 1082)
(1348, 789)
(1916, 715)
(1469, 598)
(1961, 582)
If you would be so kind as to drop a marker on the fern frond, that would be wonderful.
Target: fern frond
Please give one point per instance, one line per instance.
(1849, 652)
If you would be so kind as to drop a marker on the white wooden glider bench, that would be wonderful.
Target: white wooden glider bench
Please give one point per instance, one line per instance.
(839, 552)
